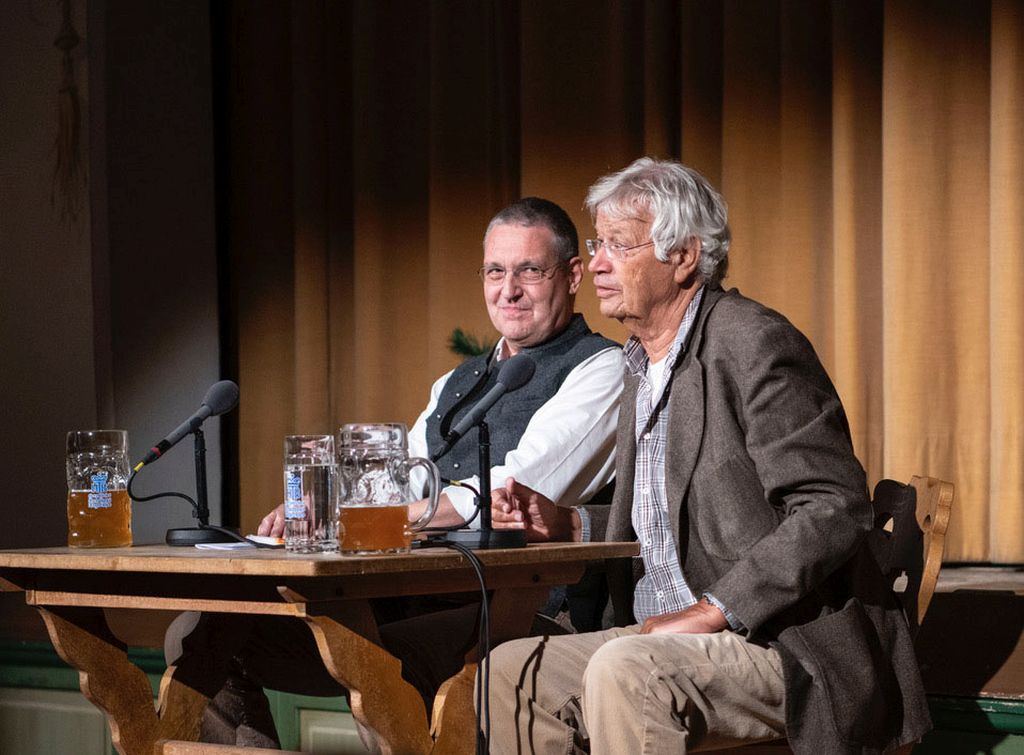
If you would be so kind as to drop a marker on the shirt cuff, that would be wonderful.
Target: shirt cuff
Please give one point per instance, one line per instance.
(584, 523)
(734, 623)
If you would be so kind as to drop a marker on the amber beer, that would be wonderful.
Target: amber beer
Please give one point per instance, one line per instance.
(99, 508)
(375, 529)
(99, 526)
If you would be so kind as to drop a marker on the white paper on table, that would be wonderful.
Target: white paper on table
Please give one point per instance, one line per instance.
(261, 539)
(223, 546)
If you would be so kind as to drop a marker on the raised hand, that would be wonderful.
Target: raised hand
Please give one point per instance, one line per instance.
(518, 507)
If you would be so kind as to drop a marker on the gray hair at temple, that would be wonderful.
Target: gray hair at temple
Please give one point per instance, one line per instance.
(534, 211)
(683, 205)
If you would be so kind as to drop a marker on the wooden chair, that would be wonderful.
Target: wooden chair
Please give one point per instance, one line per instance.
(913, 519)
(908, 541)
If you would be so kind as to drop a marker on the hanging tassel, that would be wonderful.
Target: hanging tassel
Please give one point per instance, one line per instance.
(68, 173)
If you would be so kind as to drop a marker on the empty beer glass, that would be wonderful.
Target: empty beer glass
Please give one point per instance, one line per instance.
(374, 468)
(99, 509)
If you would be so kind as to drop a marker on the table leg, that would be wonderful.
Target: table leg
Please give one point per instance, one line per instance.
(380, 698)
(511, 613)
(117, 686)
(455, 713)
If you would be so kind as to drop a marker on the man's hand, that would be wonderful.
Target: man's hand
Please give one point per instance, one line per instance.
(445, 516)
(272, 525)
(700, 618)
(518, 507)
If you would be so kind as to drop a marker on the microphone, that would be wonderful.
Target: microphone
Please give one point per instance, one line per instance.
(222, 397)
(514, 374)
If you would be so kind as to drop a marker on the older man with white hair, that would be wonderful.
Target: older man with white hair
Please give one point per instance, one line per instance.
(756, 610)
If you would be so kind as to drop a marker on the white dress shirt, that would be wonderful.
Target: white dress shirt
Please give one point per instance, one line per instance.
(567, 451)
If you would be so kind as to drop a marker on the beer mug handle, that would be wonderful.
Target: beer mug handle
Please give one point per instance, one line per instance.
(435, 491)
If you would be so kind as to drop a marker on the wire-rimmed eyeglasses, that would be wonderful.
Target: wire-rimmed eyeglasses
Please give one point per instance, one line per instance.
(523, 274)
(613, 250)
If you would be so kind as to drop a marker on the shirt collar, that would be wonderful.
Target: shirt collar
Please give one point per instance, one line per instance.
(501, 351)
(636, 355)
(576, 326)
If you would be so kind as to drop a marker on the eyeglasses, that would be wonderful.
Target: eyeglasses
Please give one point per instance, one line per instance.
(614, 251)
(525, 274)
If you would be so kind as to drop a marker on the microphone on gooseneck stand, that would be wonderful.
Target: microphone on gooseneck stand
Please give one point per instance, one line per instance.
(514, 374)
(221, 398)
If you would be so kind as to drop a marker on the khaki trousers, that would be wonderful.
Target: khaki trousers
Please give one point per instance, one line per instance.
(617, 691)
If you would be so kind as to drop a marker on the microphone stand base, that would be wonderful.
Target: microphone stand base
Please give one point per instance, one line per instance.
(186, 537)
(488, 539)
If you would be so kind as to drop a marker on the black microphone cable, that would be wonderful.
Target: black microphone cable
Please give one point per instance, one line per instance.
(195, 511)
(131, 479)
(482, 692)
(465, 522)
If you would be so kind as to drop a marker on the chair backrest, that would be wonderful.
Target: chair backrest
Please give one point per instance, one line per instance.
(919, 513)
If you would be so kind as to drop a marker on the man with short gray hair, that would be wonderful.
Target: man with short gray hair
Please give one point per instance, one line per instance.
(557, 432)
(755, 610)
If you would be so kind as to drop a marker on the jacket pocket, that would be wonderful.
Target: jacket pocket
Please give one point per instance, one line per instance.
(848, 683)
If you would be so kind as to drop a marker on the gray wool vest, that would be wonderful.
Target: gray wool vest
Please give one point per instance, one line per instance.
(508, 418)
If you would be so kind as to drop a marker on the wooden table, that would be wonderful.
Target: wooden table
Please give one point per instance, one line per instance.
(71, 587)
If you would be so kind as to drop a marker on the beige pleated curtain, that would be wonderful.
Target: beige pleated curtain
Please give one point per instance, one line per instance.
(872, 155)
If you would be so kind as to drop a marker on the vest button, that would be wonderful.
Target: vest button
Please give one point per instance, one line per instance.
(438, 416)
(456, 465)
(458, 395)
(476, 372)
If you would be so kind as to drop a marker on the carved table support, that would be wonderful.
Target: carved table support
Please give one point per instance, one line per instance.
(511, 613)
(379, 697)
(117, 686)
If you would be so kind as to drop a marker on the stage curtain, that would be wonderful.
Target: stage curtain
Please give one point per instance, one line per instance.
(872, 155)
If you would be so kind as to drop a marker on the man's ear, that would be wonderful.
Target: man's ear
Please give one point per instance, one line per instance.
(575, 274)
(687, 259)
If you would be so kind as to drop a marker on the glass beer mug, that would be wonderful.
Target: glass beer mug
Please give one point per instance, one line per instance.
(374, 465)
(99, 510)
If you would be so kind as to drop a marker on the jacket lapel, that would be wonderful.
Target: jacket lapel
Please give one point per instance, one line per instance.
(685, 433)
(686, 415)
(620, 524)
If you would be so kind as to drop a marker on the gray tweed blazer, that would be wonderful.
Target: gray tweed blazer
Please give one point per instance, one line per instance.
(770, 509)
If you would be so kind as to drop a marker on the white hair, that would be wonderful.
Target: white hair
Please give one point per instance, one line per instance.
(683, 206)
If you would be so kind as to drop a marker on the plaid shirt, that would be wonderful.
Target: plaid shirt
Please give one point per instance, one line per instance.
(663, 588)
